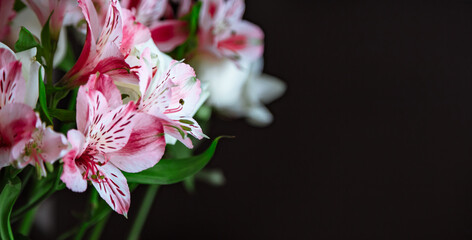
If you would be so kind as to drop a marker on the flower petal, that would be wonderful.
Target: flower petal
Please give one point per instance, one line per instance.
(169, 34)
(185, 90)
(30, 70)
(113, 188)
(145, 146)
(243, 40)
(53, 145)
(110, 131)
(147, 11)
(17, 123)
(104, 84)
(103, 56)
(133, 32)
(71, 174)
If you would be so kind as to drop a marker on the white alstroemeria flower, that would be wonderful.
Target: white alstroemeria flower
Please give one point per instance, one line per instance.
(162, 62)
(238, 91)
(29, 70)
(27, 18)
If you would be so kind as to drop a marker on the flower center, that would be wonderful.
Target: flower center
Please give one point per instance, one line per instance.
(90, 163)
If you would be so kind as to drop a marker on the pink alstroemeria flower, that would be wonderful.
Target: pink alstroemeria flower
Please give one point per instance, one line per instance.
(44, 8)
(110, 137)
(168, 33)
(34, 144)
(170, 93)
(101, 52)
(45, 146)
(223, 32)
(17, 120)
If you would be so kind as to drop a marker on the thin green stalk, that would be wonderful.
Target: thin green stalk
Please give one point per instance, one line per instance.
(98, 229)
(143, 212)
(18, 213)
(27, 223)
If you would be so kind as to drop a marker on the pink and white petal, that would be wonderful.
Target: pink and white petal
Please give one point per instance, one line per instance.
(6, 55)
(91, 16)
(174, 129)
(191, 126)
(104, 56)
(72, 174)
(113, 188)
(12, 84)
(104, 84)
(208, 12)
(146, 11)
(53, 145)
(133, 32)
(145, 147)
(169, 34)
(43, 10)
(17, 123)
(30, 71)
(177, 133)
(116, 67)
(81, 70)
(83, 115)
(185, 90)
(77, 141)
(113, 29)
(157, 95)
(145, 72)
(234, 10)
(243, 41)
(111, 131)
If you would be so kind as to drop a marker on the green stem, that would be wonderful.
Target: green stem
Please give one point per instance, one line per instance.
(97, 231)
(18, 213)
(27, 222)
(143, 212)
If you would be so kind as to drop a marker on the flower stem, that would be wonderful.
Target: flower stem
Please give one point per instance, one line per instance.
(27, 222)
(143, 212)
(97, 231)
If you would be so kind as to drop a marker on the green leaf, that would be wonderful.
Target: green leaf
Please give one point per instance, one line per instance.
(178, 150)
(63, 115)
(41, 190)
(26, 40)
(8, 197)
(46, 38)
(42, 98)
(169, 171)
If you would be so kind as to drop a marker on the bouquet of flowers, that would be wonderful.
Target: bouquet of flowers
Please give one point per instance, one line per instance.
(148, 76)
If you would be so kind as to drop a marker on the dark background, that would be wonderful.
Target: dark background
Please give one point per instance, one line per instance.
(370, 141)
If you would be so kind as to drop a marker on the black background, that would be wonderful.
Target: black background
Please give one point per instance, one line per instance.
(370, 141)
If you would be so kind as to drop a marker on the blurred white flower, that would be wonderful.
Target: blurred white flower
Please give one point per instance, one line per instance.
(238, 91)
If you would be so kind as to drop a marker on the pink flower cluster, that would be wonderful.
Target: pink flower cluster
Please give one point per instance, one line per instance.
(132, 98)
(114, 135)
(24, 139)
